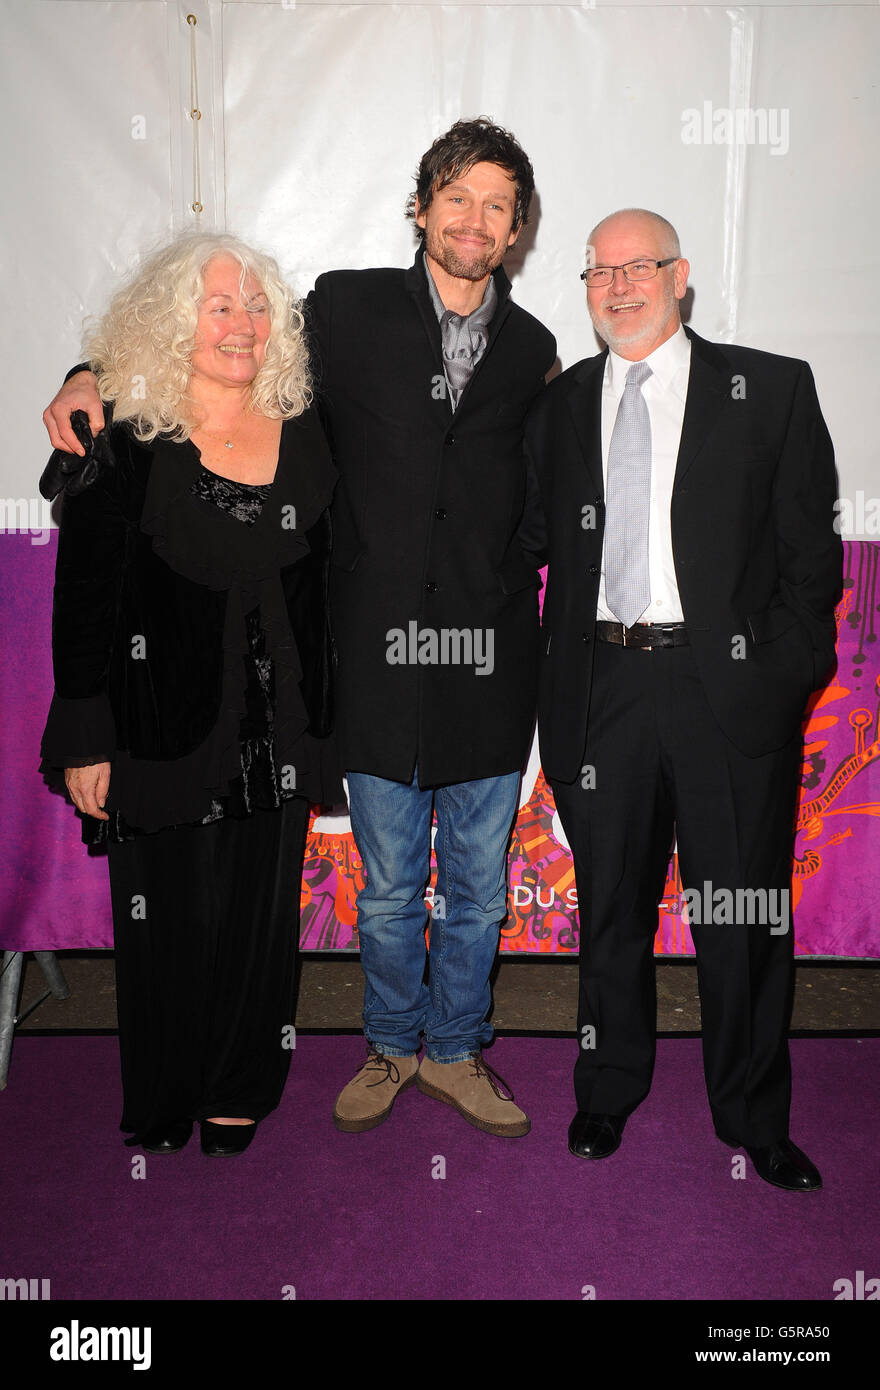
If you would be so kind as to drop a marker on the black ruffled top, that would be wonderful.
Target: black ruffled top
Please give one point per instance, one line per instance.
(268, 742)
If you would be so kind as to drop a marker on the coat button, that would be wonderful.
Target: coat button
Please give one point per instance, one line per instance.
(431, 587)
(594, 569)
(441, 513)
(585, 636)
(450, 438)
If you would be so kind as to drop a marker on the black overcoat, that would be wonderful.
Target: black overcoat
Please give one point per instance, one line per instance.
(430, 530)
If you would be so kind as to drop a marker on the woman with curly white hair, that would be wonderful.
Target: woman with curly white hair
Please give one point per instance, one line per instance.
(192, 657)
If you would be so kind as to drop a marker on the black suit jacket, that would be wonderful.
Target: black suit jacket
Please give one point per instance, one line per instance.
(757, 559)
(426, 525)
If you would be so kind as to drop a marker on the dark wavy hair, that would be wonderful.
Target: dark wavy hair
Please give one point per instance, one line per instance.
(468, 143)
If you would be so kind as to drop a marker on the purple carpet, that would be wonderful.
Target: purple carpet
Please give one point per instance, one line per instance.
(340, 1216)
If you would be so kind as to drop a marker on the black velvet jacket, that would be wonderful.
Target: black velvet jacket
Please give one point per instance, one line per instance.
(152, 586)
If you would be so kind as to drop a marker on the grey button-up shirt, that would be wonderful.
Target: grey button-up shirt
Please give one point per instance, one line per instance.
(465, 338)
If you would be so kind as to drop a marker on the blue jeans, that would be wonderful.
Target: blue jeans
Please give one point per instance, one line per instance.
(392, 829)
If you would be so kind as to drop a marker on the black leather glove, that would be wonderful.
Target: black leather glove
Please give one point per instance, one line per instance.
(69, 472)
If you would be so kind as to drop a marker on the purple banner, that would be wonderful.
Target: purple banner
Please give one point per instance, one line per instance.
(53, 895)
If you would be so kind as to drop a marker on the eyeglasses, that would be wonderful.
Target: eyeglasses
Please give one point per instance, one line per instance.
(633, 270)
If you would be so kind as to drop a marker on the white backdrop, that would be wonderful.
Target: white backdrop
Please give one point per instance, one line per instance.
(314, 116)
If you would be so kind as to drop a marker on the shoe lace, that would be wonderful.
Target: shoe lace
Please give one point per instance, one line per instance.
(482, 1069)
(377, 1061)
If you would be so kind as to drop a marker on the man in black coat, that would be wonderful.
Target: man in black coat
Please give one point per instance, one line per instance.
(424, 380)
(694, 567)
(426, 376)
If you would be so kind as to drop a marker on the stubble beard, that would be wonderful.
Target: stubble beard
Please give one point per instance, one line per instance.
(474, 267)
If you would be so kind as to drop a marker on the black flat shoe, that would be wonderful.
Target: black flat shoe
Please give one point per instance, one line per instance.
(785, 1165)
(164, 1139)
(594, 1136)
(225, 1139)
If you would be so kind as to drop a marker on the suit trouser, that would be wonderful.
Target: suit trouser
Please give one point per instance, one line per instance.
(657, 766)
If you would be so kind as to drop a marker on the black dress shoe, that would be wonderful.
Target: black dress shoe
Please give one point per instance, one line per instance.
(225, 1139)
(594, 1136)
(164, 1139)
(784, 1165)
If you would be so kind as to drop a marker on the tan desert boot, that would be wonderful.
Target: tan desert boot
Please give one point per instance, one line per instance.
(470, 1087)
(367, 1099)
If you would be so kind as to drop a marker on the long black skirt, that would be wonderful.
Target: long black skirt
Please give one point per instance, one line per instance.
(206, 931)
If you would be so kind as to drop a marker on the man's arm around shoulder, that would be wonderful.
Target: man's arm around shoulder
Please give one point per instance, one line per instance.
(79, 392)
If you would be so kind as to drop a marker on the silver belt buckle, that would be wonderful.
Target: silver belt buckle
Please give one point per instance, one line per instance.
(634, 645)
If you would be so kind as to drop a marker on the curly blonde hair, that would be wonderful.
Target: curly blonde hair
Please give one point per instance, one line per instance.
(140, 350)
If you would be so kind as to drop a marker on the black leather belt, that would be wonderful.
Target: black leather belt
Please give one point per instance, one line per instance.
(645, 636)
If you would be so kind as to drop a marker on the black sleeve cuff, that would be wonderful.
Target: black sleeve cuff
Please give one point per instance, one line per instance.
(80, 367)
(78, 733)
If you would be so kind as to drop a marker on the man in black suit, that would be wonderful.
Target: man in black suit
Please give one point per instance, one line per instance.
(694, 568)
(424, 380)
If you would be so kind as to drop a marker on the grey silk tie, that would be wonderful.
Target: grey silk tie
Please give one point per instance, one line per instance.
(627, 581)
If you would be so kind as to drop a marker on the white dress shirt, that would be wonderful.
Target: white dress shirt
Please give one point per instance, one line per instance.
(665, 393)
